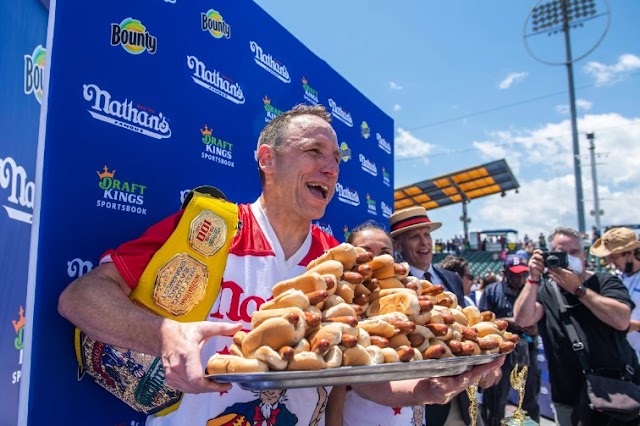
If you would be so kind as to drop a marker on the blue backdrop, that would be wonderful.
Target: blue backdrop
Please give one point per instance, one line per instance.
(144, 101)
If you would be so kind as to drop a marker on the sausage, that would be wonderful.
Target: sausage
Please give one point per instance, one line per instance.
(352, 277)
(352, 321)
(379, 341)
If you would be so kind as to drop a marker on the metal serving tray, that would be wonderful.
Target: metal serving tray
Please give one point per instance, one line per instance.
(354, 375)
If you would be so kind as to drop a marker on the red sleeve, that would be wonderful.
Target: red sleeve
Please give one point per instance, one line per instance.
(132, 257)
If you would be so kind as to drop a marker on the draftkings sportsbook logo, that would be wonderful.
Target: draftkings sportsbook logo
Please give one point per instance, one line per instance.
(345, 152)
(22, 190)
(272, 111)
(133, 37)
(326, 227)
(34, 72)
(340, 114)
(120, 195)
(215, 149)
(371, 206)
(18, 343)
(268, 63)
(138, 118)
(347, 195)
(212, 80)
(368, 165)
(386, 210)
(310, 94)
(383, 144)
(213, 22)
(386, 178)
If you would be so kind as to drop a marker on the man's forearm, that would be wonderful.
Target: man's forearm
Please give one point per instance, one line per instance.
(524, 310)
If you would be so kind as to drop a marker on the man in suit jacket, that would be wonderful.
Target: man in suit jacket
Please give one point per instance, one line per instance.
(411, 232)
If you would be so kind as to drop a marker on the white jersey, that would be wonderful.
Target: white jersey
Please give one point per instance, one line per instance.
(362, 412)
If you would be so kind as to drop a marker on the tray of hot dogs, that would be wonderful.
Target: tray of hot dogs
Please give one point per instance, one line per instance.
(352, 318)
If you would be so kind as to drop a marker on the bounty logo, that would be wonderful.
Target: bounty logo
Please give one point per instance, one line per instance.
(216, 150)
(386, 210)
(368, 166)
(345, 152)
(138, 119)
(18, 343)
(133, 37)
(34, 73)
(22, 190)
(386, 178)
(324, 227)
(266, 61)
(272, 112)
(365, 131)
(212, 80)
(120, 195)
(383, 144)
(213, 22)
(340, 113)
(347, 195)
(371, 206)
(310, 94)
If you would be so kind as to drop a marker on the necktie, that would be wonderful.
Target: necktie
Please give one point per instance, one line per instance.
(427, 276)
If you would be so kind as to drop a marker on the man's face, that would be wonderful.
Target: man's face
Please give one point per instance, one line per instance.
(569, 244)
(516, 280)
(416, 247)
(304, 171)
(619, 260)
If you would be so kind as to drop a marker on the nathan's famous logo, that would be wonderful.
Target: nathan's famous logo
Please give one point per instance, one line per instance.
(383, 144)
(216, 149)
(266, 61)
(272, 112)
(371, 205)
(310, 94)
(386, 178)
(365, 130)
(213, 22)
(386, 210)
(347, 195)
(138, 118)
(325, 227)
(78, 267)
(34, 72)
(120, 195)
(345, 152)
(18, 342)
(340, 113)
(133, 36)
(368, 166)
(212, 80)
(22, 190)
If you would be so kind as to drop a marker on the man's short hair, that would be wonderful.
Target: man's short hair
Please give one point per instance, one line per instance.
(273, 133)
(569, 232)
(455, 264)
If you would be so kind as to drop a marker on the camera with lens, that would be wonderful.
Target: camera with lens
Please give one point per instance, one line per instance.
(555, 259)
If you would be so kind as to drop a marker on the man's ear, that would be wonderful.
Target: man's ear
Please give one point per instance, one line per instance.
(266, 158)
(397, 244)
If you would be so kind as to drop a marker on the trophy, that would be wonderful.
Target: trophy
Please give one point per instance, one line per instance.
(472, 392)
(518, 381)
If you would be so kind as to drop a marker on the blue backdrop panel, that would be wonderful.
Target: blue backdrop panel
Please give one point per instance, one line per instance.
(146, 100)
(23, 27)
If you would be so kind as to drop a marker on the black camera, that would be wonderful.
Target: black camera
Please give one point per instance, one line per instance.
(555, 259)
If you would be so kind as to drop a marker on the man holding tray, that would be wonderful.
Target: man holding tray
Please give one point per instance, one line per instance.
(298, 160)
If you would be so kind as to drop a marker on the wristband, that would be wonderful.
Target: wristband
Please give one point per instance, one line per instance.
(532, 282)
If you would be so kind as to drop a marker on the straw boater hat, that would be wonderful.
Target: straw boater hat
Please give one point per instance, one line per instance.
(411, 218)
(616, 240)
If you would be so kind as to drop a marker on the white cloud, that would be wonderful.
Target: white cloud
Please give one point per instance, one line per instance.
(409, 146)
(511, 78)
(397, 107)
(580, 104)
(611, 74)
(395, 86)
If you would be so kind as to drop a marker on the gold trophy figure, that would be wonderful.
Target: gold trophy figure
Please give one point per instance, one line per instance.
(518, 381)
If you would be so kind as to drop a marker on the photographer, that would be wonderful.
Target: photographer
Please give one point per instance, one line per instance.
(599, 307)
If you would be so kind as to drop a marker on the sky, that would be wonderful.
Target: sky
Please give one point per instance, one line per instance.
(469, 82)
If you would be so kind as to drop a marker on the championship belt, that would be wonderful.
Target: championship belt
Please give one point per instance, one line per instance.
(181, 282)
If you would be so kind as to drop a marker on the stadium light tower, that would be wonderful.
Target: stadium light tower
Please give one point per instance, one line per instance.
(560, 16)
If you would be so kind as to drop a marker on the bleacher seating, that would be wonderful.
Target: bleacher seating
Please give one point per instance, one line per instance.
(480, 262)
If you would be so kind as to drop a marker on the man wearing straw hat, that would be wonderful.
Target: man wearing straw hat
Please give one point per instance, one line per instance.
(620, 247)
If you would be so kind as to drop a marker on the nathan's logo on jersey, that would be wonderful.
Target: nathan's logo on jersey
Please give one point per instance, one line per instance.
(383, 144)
(365, 130)
(120, 195)
(340, 113)
(345, 152)
(386, 178)
(18, 342)
(371, 205)
(386, 210)
(368, 166)
(212, 80)
(138, 118)
(215, 149)
(213, 22)
(347, 195)
(325, 227)
(272, 112)
(267, 62)
(22, 190)
(133, 37)
(34, 72)
(310, 94)
(78, 267)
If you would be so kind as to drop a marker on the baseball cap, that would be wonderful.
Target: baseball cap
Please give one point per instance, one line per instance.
(515, 264)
